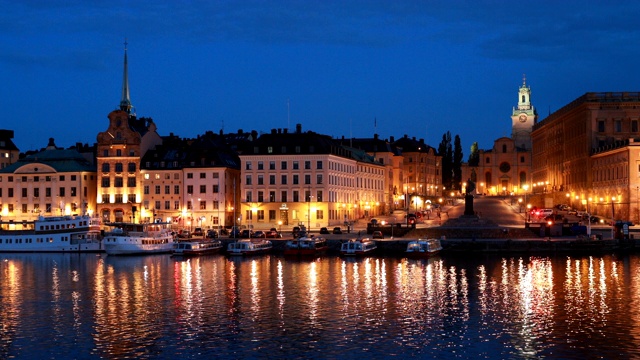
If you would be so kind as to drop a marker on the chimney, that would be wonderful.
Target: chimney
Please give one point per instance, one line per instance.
(391, 139)
(298, 128)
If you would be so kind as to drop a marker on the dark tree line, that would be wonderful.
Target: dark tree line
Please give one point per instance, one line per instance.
(451, 161)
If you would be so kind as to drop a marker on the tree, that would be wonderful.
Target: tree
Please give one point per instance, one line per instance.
(457, 163)
(444, 150)
(474, 156)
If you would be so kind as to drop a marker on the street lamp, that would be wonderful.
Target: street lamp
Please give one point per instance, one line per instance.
(613, 214)
(528, 212)
(520, 205)
(586, 202)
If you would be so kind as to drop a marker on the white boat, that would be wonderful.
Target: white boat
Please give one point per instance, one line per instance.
(423, 248)
(71, 233)
(306, 245)
(132, 239)
(249, 247)
(358, 247)
(197, 247)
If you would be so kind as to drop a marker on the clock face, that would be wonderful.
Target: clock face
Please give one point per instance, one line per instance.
(522, 118)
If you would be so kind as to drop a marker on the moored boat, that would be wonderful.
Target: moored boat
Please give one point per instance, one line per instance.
(197, 247)
(358, 247)
(306, 246)
(423, 248)
(69, 233)
(137, 239)
(249, 247)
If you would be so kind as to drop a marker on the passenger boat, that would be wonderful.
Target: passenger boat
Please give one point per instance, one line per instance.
(306, 246)
(133, 238)
(249, 247)
(70, 233)
(422, 248)
(197, 247)
(358, 247)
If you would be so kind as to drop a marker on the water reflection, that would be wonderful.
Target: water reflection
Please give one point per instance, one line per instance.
(157, 306)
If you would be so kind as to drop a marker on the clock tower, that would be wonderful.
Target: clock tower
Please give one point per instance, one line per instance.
(523, 117)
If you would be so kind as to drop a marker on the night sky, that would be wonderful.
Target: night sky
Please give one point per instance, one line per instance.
(341, 68)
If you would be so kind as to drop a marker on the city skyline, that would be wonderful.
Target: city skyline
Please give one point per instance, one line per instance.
(342, 69)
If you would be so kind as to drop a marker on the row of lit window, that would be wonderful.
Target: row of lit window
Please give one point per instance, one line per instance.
(47, 192)
(284, 196)
(30, 241)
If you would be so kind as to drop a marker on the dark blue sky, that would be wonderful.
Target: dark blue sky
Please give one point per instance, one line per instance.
(418, 67)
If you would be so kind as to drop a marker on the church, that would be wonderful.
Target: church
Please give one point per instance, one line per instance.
(506, 168)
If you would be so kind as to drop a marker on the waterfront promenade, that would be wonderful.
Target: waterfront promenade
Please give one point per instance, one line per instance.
(500, 227)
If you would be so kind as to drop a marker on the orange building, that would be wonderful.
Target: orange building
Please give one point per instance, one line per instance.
(586, 155)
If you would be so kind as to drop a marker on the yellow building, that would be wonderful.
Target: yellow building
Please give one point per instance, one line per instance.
(49, 182)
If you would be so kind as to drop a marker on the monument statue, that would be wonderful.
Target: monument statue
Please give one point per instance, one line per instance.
(468, 198)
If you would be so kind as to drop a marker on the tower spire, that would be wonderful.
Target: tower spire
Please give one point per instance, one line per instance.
(125, 102)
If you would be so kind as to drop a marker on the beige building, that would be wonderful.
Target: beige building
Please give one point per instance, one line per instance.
(586, 155)
(304, 178)
(506, 168)
(51, 182)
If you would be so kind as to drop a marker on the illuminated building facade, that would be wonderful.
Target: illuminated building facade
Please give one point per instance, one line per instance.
(421, 172)
(51, 182)
(304, 178)
(506, 168)
(586, 154)
(120, 149)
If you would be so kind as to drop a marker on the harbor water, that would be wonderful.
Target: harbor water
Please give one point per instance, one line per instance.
(91, 306)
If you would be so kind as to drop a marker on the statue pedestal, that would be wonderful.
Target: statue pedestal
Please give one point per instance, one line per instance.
(468, 205)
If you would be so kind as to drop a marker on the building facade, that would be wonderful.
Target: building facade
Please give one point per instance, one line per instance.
(421, 173)
(304, 178)
(51, 182)
(586, 153)
(505, 169)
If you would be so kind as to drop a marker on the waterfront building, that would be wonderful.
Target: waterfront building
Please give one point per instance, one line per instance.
(384, 152)
(506, 168)
(304, 178)
(421, 173)
(585, 154)
(49, 182)
(120, 149)
(191, 182)
(8, 150)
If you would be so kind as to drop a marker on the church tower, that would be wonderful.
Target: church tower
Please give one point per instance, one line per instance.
(523, 117)
(125, 102)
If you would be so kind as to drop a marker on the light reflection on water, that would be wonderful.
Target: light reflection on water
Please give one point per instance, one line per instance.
(94, 306)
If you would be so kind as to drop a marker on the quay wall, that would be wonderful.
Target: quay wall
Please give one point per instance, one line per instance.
(462, 246)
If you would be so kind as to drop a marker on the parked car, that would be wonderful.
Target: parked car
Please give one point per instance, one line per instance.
(324, 230)
(184, 234)
(337, 230)
(212, 234)
(246, 233)
(572, 212)
(235, 232)
(259, 234)
(198, 232)
(273, 233)
(377, 235)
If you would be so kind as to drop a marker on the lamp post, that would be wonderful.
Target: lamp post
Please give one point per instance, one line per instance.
(613, 214)
(586, 202)
(528, 212)
(520, 205)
